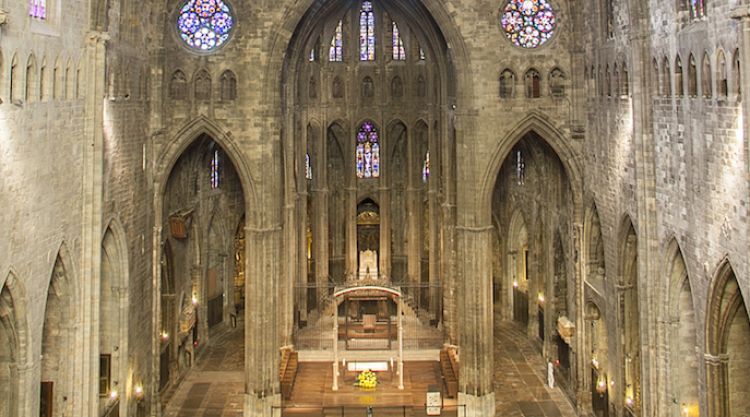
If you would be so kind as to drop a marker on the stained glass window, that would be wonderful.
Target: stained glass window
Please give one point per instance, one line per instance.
(368, 151)
(312, 55)
(336, 54)
(38, 9)
(426, 168)
(398, 45)
(205, 24)
(366, 32)
(215, 170)
(696, 9)
(528, 23)
(308, 167)
(422, 57)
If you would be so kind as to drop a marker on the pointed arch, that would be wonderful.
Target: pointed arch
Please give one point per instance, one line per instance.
(727, 330)
(692, 76)
(537, 123)
(16, 92)
(629, 306)
(31, 94)
(594, 250)
(13, 345)
(706, 76)
(679, 87)
(185, 137)
(721, 74)
(683, 353)
(114, 310)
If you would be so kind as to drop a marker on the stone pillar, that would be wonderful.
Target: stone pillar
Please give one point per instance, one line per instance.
(384, 258)
(413, 207)
(320, 239)
(300, 293)
(85, 399)
(262, 389)
(716, 384)
(475, 320)
(335, 386)
(400, 314)
(582, 356)
(351, 232)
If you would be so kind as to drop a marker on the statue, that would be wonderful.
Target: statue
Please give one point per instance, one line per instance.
(368, 265)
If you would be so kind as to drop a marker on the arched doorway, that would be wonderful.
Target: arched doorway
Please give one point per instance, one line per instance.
(727, 339)
(202, 210)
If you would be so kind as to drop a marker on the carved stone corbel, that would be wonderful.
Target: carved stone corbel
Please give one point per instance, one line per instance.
(3, 17)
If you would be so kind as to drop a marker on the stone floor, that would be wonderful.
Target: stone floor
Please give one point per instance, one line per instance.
(520, 375)
(214, 388)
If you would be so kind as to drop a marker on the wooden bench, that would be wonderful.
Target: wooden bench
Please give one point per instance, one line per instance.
(288, 372)
(449, 368)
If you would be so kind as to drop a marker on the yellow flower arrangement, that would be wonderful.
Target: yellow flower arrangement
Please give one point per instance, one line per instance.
(366, 379)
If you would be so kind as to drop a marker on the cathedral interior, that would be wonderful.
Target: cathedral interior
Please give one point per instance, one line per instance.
(470, 208)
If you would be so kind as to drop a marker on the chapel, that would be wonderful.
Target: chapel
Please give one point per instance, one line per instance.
(379, 208)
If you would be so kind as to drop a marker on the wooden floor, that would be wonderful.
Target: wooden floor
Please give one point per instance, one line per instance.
(312, 393)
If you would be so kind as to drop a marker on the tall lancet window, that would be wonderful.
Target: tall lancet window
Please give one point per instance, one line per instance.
(398, 45)
(520, 168)
(336, 54)
(38, 9)
(368, 151)
(366, 32)
(696, 9)
(215, 170)
(426, 168)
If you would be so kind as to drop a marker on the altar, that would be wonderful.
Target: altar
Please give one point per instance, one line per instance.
(368, 326)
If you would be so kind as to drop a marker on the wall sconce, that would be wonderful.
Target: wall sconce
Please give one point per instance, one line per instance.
(629, 401)
(595, 363)
(195, 300)
(113, 394)
(515, 284)
(540, 297)
(164, 335)
(601, 387)
(138, 392)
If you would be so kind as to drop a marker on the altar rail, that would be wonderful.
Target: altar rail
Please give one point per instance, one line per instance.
(360, 411)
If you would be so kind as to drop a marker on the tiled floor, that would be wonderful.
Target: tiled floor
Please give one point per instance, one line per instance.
(214, 388)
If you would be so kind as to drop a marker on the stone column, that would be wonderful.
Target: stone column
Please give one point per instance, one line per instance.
(400, 313)
(384, 258)
(475, 320)
(413, 207)
(320, 197)
(86, 398)
(433, 195)
(351, 231)
(335, 386)
(262, 389)
(716, 384)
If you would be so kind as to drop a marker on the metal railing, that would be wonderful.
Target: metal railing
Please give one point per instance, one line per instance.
(367, 411)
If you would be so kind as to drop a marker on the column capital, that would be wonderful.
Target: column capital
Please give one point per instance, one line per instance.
(716, 359)
(3, 16)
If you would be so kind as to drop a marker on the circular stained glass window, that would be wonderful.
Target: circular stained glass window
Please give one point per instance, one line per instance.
(528, 23)
(205, 25)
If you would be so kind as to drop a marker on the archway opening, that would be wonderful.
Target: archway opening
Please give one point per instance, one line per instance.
(536, 254)
(203, 212)
(369, 187)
